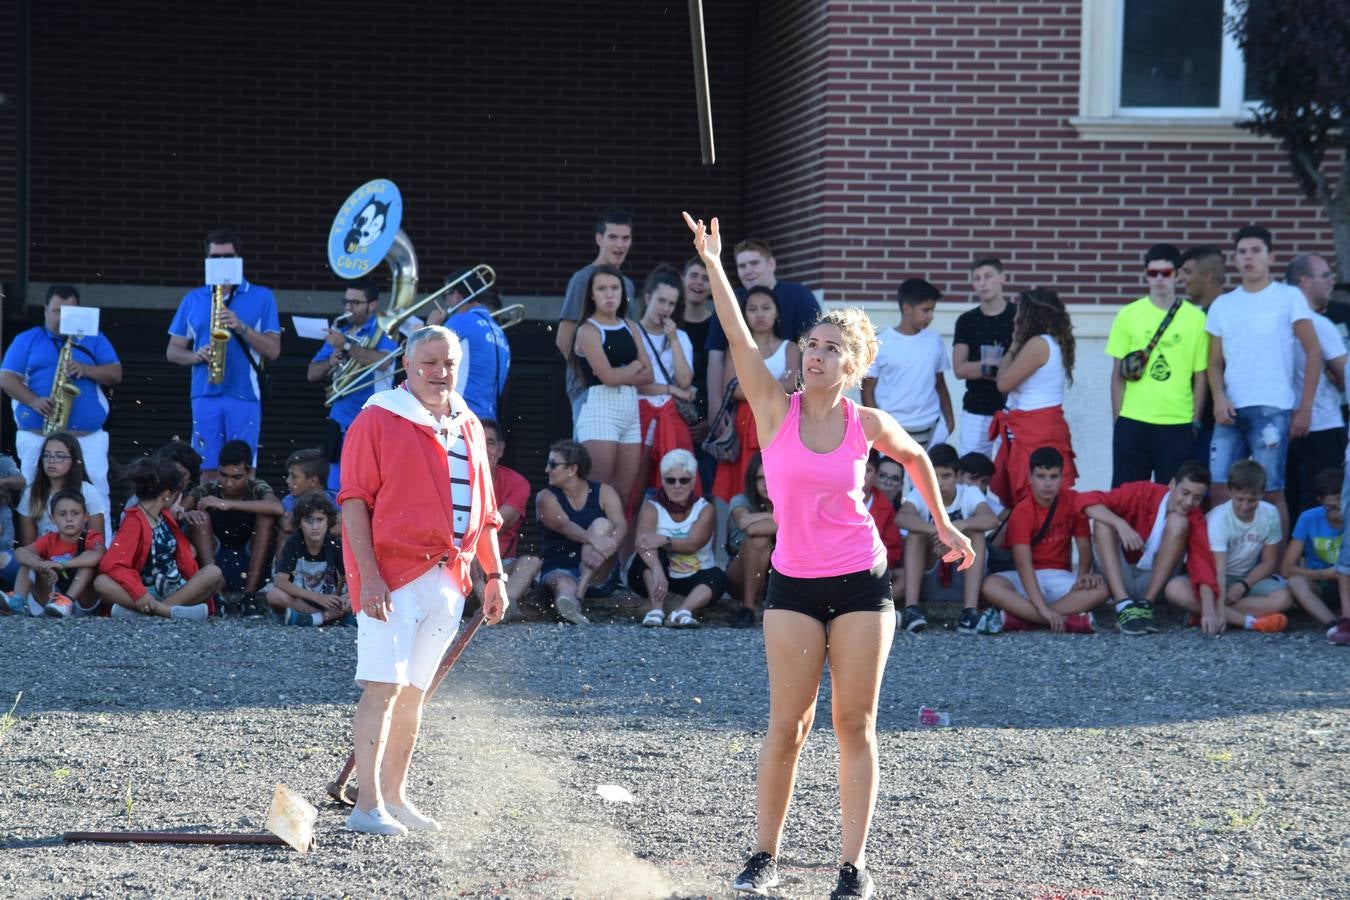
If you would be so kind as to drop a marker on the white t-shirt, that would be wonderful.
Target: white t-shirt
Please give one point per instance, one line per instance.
(906, 370)
(658, 345)
(95, 504)
(1326, 411)
(1258, 343)
(968, 499)
(1242, 541)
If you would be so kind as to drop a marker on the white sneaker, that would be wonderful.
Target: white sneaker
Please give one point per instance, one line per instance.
(377, 821)
(412, 818)
(570, 609)
(197, 612)
(121, 612)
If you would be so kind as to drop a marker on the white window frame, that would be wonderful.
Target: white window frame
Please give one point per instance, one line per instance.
(1100, 115)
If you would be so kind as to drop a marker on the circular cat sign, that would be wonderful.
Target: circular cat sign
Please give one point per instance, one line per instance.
(364, 228)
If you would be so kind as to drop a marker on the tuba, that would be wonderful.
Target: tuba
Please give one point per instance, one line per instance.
(63, 392)
(220, 336)
(364, 233)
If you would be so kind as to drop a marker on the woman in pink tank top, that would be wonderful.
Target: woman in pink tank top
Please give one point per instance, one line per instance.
(829, 577)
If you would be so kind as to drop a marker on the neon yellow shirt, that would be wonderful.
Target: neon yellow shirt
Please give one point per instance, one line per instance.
(1165, 395)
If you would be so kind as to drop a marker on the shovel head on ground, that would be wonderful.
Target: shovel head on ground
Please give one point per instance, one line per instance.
(291, 817)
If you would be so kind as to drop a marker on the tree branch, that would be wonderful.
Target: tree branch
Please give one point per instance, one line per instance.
(1314, 175)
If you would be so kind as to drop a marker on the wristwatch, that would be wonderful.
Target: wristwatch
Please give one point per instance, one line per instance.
(500, 576)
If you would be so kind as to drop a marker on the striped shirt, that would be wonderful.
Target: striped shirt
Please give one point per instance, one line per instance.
(451, 436)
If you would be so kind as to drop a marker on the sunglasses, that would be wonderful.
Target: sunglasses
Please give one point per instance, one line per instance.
(672, 479)
(1160, 273)
(555, 463)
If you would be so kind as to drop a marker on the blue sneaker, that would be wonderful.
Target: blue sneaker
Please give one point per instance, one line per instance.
(296, 618)
(16, 605)
(991, 622)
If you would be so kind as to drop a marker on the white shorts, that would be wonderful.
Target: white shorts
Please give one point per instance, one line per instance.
(1054, 583)
(610, 413)
(423, 620)
(974, 434)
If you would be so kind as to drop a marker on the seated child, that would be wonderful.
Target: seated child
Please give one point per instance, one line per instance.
(977, 469)
(310, 587)
(242, 512)
(306, 472)
(1043, 529)
(1310, 559)
(64, 562)
(150, 569)
(1245, 537)
(11, 486)
(1141, 532)
(751, 535)
(925, 573)
(883, 515)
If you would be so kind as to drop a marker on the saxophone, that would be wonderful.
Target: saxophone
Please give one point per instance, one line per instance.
(220, 336)
(63, 392)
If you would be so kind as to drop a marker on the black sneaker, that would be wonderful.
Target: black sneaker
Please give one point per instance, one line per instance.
(760, 874)
(1136, 619)
(852, 883)
(745, 618)
(969, 621)
(912, 620)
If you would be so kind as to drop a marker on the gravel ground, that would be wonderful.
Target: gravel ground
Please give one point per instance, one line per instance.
(1076, 766)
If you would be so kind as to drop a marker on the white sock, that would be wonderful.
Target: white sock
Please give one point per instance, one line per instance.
(1120, 605)
(1249, 622)
(316, 618)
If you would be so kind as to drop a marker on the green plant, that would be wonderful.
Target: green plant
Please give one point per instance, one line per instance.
(1237, 819)
(9, 720)
(127, 801)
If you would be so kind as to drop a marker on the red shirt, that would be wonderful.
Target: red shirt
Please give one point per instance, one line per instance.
(1137, 503)
(884, 516)
(1055, 550)
(131, 548)
(512, 490)
(52, 546)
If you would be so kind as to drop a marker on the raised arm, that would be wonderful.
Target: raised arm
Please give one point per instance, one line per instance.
(763, 392)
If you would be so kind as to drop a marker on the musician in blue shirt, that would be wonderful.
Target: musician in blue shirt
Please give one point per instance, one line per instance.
(231, 410)
(27, 373)
(346, 347)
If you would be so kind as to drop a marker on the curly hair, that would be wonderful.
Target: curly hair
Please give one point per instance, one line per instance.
(1040, 311)
(860, 340)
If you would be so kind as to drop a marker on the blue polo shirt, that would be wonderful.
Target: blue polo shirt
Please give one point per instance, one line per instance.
(489, 358)
(797, 310)
(256, 307)
(33, 357)
(343, 411)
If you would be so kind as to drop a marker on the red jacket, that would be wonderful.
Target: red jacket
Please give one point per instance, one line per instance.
(394, 463)
(1024, 432)
(1137, 503)
(131, 548)
(883, 514)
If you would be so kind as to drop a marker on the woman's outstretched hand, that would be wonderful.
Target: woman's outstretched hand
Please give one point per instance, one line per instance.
(707, 243)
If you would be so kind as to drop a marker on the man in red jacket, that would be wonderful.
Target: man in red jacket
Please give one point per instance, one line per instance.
(417, 509)
(1142, 530)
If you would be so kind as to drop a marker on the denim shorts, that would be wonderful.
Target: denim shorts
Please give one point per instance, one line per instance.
(1261, 432)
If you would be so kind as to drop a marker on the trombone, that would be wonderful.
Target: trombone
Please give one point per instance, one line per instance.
(349, 375)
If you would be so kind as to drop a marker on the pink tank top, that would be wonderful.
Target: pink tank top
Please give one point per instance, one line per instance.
(824, 527)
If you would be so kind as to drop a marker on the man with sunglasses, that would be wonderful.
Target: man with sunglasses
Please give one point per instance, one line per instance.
(1158, 383)
(231, 410)
(1323, 447)
(344, 349)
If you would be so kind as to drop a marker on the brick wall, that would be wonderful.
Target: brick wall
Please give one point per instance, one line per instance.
(946, 135)
(8, 173)
(506, 126)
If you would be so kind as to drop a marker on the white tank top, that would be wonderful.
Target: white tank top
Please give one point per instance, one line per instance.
(682, 565)
(1043, 387)
(777, 362)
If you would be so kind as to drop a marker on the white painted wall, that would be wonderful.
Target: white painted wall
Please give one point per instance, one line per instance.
(1087, 405)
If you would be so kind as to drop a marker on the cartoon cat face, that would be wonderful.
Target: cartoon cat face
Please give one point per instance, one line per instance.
(368, 226)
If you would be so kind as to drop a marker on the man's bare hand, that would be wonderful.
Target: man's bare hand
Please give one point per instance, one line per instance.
(495, 601)
(375, 600)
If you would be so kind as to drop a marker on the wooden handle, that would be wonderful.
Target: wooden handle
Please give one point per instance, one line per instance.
(170, 837)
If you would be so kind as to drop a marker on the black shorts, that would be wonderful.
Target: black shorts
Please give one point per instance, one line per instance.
(825, 598)
(714, 578)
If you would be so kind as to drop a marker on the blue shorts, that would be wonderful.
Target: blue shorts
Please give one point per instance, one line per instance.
(216, 420)
(1260, 432)
(595, 591)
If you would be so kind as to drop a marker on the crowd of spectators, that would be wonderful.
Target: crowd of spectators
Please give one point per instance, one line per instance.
(1229, 433)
